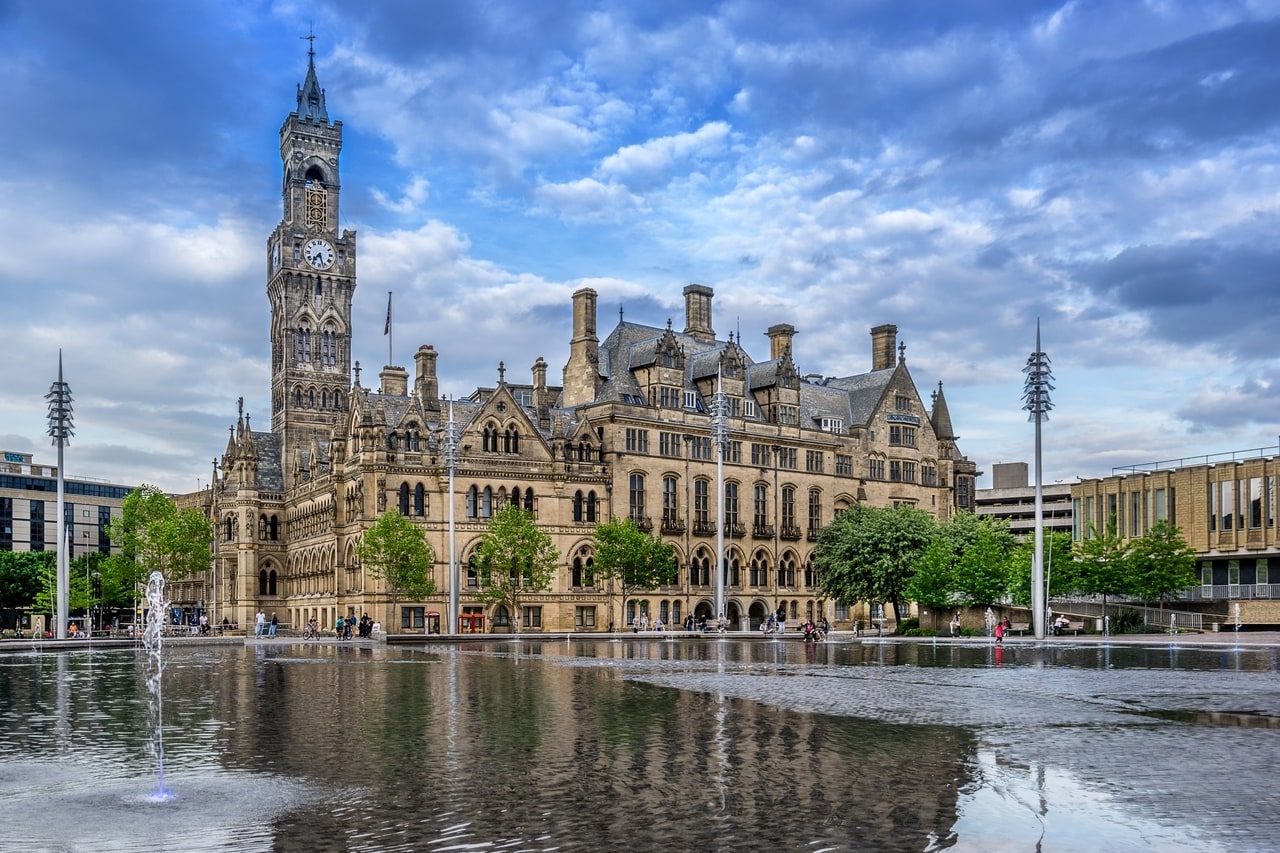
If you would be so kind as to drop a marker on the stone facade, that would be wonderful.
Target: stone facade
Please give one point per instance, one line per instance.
(628, 433)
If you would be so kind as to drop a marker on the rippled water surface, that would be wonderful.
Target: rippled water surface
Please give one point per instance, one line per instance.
(645, 744)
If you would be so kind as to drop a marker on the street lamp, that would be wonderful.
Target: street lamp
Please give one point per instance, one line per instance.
(1036, 401)
(94, 585)
(720, 438)
(451, 462)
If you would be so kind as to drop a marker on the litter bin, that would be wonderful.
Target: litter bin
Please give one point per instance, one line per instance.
(1098, 627)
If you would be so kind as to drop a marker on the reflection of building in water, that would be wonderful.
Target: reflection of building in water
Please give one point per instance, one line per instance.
(1225, 505)
(628, 433)
(541, 745)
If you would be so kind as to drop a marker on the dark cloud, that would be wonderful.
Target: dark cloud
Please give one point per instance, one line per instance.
(1226, 406)
(1198, 292)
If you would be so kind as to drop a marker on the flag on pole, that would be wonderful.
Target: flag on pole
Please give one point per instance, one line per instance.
(387, 330)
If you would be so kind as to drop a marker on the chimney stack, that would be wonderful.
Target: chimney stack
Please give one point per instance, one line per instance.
(884, 343)
(780, 336)
(697, 313)
(582, 372)
(426, 386)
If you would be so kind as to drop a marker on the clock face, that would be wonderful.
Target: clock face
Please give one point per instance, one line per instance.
(318, 253)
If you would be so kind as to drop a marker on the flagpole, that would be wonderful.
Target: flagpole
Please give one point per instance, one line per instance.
(387, 331)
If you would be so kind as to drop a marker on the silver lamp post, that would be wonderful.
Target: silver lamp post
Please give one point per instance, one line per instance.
(451, 462)
(1036, 401)
(720, 437)
(61, 430)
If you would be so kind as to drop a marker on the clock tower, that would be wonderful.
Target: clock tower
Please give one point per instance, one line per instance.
(311, 276)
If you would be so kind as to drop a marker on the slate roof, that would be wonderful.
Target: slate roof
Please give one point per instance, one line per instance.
(270, 462)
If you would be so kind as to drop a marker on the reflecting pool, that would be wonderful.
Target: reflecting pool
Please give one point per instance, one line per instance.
(645, 743)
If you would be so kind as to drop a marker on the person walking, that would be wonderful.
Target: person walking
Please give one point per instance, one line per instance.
(275, 623)
(259, 623)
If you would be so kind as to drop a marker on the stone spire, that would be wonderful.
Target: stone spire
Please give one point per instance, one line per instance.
(310, 95)
(940, 417)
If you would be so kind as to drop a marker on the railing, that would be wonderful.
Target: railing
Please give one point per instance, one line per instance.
(673, 526)
(812, 535)
(1209, 459)
(762, 531)
(790, 533)
(1091, 608)
(735, 530)
(704, 528)
(643, 522)
(1227, 592)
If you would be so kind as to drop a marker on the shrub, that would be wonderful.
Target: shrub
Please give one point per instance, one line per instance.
(1126, 621)
(907, 626)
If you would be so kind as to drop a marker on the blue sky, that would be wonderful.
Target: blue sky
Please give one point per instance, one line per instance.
(957, 169)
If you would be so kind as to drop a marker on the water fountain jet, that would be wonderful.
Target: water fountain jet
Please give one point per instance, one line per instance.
(153, 641)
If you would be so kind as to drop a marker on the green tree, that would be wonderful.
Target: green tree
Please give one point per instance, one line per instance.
(870, 553)
(1162, 563)
(984, 570)
(633, 559)
(22, 576)
(155, 536)
(46, 600)
(395, 550)
(514, 558)
(1102, 564)
(933, 584)
(1061, 570)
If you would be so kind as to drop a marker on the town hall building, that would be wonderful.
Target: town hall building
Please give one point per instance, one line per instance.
(628, 432)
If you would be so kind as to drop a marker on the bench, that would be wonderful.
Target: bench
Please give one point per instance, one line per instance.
(1069, 628)
(1020, 627)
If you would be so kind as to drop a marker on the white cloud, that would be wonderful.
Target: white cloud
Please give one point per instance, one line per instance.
(651, 160)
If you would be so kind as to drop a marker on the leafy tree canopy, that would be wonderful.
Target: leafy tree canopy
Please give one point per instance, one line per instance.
(1103, 564)
(22, 576)
(396, 551)
(635, 560)
(871, 553)
(514, 558)
(1060, 568)
(155, 536)
(1162, 562)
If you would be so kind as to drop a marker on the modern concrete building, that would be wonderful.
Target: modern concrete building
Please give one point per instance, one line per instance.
(627, 433)
(1226, 507)
(29, 507)
(1012, 499)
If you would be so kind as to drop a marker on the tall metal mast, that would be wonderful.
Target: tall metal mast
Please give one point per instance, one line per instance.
(61, 430)
(1036, 401)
